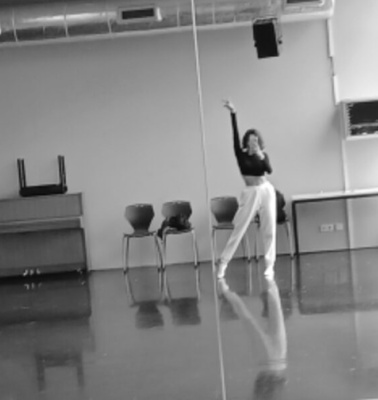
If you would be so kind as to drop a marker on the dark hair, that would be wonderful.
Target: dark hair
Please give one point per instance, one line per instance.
(257, 134)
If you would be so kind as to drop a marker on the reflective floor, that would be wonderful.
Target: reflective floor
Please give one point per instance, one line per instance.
(312, 333)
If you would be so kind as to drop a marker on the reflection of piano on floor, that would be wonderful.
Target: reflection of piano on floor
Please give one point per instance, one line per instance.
(44, 299)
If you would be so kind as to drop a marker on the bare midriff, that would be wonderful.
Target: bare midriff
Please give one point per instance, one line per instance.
(254, 180)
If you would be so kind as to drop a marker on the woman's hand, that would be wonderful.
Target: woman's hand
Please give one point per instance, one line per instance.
(229, 105)
(260, 154)
(255, 149)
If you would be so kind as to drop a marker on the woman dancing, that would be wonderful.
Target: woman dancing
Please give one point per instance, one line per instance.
(258, 197)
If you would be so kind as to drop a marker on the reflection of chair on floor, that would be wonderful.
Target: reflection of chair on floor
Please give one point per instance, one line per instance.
(62, 359)
(184, 298)
(143, 285)
(185, 311)
(144, 291)
(140, 217)
(224, 210)
(285, 222)
(174, 209)
(148, 315)
(185, 290)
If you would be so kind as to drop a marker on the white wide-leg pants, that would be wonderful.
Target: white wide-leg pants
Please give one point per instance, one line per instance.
(259, 199)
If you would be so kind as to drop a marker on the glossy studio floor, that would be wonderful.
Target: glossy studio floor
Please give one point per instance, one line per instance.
(312, 333)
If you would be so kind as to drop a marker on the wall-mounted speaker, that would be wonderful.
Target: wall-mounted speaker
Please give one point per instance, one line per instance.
(267, 37)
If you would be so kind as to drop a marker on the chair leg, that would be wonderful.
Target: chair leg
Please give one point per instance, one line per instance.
(290, 238)
(214, 239)
(244, 246)
(161, 274)
(127, 254)
(247, 246)
(164, 251)
(158, 255)
(195, 248)
(256, 243)
(128, 290)
(165, 286)
(198, 283)
(124, 254)
(250, 280)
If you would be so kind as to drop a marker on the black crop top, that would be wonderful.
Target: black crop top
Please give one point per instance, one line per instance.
(248, 164)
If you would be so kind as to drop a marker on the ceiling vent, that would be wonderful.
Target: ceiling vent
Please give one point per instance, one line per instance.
(304, 10)
(53, 22)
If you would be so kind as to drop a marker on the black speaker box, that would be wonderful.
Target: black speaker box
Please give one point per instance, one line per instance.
(265, 34)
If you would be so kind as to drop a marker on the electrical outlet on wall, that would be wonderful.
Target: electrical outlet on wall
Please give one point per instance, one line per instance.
(339, 226)
(326, 228)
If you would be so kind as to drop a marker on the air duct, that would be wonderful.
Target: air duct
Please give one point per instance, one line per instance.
(51, 22)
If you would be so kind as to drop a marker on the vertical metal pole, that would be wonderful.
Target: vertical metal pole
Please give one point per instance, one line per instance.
(204, 159)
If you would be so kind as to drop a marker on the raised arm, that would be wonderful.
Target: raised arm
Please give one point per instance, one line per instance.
(235, 130)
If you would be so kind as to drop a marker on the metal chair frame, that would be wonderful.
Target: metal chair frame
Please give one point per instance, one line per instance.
(225, 223)
(286, 223)
(139, 233)
(173, 208)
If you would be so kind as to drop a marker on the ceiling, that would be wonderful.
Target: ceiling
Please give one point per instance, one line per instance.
(47, 21)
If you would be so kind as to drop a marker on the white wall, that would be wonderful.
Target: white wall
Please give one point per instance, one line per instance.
(356, 65)
(124, 113)
(355, 32)
(290, 100)
(356, 62)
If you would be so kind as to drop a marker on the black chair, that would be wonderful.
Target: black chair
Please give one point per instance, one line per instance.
(283, 221)
(140, 217)
(224, 210)
(174, 209)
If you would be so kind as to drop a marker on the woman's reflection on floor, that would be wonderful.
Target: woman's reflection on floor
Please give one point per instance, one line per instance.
(267, 337)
